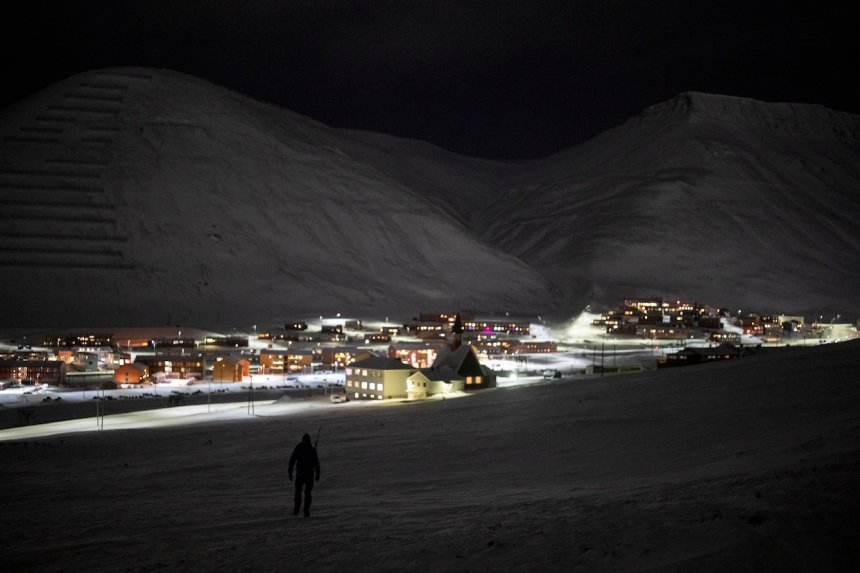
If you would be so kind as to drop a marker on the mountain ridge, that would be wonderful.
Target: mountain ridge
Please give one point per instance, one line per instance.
(310, 219)
(643, 188)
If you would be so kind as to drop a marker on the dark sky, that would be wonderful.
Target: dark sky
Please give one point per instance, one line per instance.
(493, 79)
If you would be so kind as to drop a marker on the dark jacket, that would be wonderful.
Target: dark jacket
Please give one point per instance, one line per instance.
(305, 460)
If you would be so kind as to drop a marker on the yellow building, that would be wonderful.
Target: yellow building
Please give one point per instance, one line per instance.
(377, 378)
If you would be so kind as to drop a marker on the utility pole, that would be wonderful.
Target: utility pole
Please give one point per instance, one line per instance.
(602, 358)
(100, 410)
(251, 397)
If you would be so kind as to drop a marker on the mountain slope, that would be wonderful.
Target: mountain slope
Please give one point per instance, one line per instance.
(726, 200)
(148, 196)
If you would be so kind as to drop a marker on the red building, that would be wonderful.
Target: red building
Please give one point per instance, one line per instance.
(33, 371)
(230, 369)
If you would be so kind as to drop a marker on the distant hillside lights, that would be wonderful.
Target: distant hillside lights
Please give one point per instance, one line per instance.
(655, 319)
(79, 340)
(439, 325)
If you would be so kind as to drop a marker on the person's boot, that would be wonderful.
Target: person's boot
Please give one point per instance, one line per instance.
(307, 512)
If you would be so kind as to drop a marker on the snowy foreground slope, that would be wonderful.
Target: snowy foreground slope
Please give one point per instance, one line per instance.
(139, 196)
(752, 464)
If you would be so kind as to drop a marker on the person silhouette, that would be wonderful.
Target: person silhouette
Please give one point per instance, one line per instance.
(307, 466)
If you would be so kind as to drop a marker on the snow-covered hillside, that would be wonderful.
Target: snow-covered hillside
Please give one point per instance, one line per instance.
(139, 196)
(145, 196)
(744, 465)
(720, 199)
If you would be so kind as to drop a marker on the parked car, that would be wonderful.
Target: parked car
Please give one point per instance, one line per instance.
(338, 398)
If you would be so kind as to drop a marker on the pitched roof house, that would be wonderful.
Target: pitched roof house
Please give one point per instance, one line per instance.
(463, 359)
(429, 381)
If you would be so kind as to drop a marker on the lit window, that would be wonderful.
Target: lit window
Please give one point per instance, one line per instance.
(379, 386)
(364, 385)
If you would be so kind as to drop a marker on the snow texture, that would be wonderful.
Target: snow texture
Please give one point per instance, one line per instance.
(750, 464)
(139, 196)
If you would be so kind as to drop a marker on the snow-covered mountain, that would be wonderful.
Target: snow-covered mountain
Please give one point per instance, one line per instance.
(145, 196)
(721, 199)
(135, 195)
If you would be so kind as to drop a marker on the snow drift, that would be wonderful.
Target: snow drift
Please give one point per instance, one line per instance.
(138, 196)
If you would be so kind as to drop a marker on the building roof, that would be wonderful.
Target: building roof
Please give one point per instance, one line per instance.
(487, 370)
(287, 350)
(172, 357)
(452, 358)
(380, 363)
(443, 374)
(425, 345)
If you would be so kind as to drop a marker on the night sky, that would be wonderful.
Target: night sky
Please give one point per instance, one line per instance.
(491, 79)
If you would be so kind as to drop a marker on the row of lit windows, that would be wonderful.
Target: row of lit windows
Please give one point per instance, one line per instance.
(496, 327)
(364, 372)
(356, 395)
(364, 385)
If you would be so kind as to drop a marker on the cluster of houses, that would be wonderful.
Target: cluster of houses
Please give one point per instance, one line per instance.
(456, 368)
(434, 352)
(654, 318)
(448, 360)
